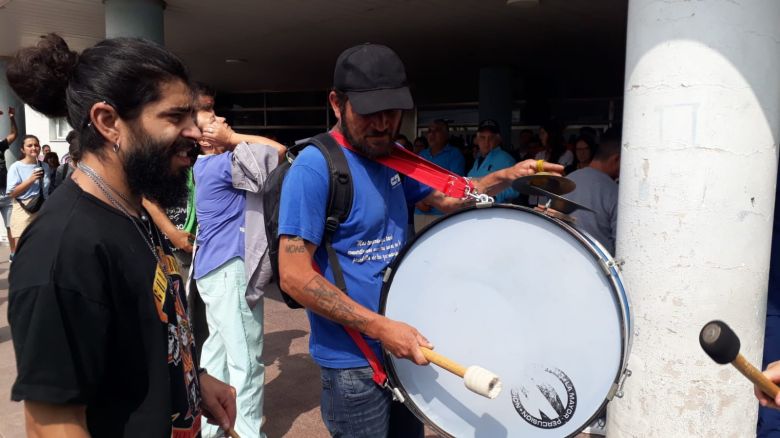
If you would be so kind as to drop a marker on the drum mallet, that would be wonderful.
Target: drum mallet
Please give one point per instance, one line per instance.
(476, 379)
(722, 345)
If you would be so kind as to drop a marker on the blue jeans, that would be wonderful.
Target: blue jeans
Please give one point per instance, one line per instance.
(769, 419)
(353, 406)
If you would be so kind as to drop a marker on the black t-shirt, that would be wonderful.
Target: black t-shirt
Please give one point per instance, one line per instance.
(93, 323)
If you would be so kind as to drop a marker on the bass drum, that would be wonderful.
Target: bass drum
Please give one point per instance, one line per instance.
(523, 295)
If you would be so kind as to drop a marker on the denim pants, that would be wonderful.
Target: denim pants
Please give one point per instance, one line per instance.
(768, 418)
(353, 406)
(232, 352)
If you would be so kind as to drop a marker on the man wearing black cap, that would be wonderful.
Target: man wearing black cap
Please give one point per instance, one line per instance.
(369, 94)
(491, 157)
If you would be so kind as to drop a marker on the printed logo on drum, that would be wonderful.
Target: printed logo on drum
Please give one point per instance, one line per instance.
(548, 402)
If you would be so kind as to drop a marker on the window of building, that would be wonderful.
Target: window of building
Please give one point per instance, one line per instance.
(58, 129)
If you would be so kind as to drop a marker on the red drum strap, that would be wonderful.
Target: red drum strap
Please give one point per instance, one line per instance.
(415, 167)
(380, 376)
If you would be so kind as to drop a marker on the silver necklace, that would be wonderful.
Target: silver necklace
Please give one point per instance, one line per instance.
(107, 189)
(94, 175)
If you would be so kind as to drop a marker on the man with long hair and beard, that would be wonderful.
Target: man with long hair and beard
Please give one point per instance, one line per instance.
(96, 305)
(369, 95)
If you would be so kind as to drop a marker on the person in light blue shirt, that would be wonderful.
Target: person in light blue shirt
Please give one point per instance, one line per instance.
(27, 180)
(444, 155)
(491, 157)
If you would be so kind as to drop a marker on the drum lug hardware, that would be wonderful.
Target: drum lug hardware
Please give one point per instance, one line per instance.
(482, 200)
(397, 395)
(617, 388)
(388, 272)
(607, 266)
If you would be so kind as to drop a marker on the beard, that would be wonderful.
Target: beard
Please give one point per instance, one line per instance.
(382, 149)
(148, 170)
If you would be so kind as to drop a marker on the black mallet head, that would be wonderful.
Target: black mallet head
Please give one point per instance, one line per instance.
(719, 342)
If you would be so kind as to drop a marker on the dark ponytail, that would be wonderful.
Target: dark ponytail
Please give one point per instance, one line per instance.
(126, 73)
(39, 75)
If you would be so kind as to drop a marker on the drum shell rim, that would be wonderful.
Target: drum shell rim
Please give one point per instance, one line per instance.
(592, 245)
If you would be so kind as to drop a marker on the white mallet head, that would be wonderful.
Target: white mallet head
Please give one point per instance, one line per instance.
(482, 381)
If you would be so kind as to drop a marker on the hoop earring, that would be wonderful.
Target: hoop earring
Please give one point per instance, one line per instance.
(116, 147)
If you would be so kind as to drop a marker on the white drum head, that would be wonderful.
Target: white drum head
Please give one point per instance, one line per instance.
(513, 292)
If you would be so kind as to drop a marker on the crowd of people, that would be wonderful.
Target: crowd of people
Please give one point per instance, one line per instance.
(204, 224)
(136, 290)
(591, 159)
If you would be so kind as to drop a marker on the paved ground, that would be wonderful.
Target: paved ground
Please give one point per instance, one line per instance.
(292, 379)
(11, 419)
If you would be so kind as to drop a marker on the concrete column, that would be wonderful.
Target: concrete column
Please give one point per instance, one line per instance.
(8, 98)
(700, 140)
(135, 18)
(495, 97)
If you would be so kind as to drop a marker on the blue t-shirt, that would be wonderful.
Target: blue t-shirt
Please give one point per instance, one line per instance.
(220, 211)
(366, 243)
(19, 171)
(448, 158)
(496, 159)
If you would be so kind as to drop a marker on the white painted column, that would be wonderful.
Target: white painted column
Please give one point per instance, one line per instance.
(8, 98)
(135, 18)
(700, 139)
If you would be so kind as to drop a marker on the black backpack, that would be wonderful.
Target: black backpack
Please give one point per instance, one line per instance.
(339, 204)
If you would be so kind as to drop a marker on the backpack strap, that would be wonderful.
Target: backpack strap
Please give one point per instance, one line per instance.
(340, 194)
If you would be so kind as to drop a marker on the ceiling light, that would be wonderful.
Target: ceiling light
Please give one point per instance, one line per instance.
(522, 2)
(236, 61)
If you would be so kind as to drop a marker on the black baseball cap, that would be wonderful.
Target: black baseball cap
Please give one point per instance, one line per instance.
(374, 79)
(489, 125)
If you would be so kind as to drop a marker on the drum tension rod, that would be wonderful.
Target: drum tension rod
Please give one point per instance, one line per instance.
(617, 388)
(388, 273)
(608, 265)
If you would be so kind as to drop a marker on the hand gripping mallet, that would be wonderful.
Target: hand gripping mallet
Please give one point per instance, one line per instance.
(722, 345)
(476, 379)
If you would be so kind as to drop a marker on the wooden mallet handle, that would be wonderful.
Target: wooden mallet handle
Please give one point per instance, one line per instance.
(444, 362)
(757, 377)
(722, 345)
(232, 433)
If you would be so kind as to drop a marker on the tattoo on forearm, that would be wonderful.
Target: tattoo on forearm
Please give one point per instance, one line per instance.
(330, 303)
(295, 245)
(294, 249)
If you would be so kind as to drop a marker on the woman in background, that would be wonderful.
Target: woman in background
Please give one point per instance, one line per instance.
(27, 185)
(551, 136)
(53, 161)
